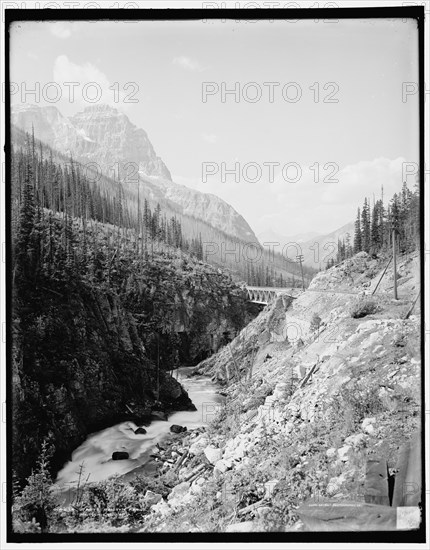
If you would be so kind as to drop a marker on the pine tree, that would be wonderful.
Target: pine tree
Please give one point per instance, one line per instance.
(38, 500)
(365, 227)
(357, 234)
(375, 234)
(348, 247)
(24, 247)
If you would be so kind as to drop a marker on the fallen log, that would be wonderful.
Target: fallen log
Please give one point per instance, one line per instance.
(197, 475)
(196, 470)
(181, 461)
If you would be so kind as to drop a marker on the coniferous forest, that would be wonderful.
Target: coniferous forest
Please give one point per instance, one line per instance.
(376, 226)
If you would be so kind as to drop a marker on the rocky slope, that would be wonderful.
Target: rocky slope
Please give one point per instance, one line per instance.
(313, 410)
(105, 136)
(203, 206)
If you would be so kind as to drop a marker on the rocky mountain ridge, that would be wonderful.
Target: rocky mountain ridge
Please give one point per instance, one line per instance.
(99, 134)
(103, 138)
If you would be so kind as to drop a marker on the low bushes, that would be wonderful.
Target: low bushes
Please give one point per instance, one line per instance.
(364, 307)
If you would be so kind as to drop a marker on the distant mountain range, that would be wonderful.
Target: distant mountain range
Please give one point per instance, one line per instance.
(317, 249)
(270, 236)
(103, 136)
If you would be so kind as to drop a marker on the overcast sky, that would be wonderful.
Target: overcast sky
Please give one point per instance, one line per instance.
(353, 126)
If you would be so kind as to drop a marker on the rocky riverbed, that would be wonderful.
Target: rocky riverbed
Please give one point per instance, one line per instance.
(144, 451)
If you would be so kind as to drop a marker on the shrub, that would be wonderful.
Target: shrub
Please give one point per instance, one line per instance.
(111, 501)
(364, 307)
(286, 497)
(34, 509)
(315, 322)
(356, 401)
(143, 483)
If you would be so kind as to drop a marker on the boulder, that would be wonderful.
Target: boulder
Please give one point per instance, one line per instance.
(367, 425)
(269, 486)
(358, 441)
(223, 465)
(179, 491)
(161, 508)
(236, 451)
(152, 498)
(198, 486)
(176, 429)
(140, 431)
(344, 453)
(333, 486)
(213, 454)
(120, 455)
(281, 390)
(197, 447)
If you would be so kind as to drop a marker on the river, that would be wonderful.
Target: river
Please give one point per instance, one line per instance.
(95, 454)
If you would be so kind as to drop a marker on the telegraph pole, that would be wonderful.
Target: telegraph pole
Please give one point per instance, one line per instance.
(299, 258)
(394, 263)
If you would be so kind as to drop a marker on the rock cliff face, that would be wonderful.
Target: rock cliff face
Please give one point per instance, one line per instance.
(79, 368)
(203, 206)
(108, 137)
(103, 136)
(100, 134)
